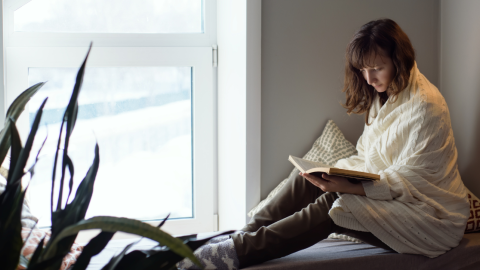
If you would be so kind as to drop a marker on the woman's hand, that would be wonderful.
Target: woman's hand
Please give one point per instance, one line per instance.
(331, 183)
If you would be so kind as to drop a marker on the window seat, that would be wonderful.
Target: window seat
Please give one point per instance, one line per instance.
(340, 254)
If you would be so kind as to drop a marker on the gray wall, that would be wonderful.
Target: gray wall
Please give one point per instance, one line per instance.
(460, 82)
(303, 46)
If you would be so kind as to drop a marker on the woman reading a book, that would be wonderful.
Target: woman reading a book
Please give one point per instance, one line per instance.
(419, 205)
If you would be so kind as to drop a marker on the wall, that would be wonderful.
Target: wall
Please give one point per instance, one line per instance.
(460, 81)
(239, 101)
(303, 46)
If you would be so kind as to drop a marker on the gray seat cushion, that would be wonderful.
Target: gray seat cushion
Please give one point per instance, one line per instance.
(340, 254)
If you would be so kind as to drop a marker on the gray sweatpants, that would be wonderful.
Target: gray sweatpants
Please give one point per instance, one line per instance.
(296, 218)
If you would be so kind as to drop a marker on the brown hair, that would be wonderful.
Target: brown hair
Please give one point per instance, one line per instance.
(371, 39)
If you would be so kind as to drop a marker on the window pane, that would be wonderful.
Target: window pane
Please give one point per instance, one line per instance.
(141, 118)
(110, 16)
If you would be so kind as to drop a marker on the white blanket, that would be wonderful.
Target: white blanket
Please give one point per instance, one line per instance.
(420, 204)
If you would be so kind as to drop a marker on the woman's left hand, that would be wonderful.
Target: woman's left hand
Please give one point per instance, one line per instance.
(331, 183)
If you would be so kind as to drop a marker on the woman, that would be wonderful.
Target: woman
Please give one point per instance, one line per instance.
(419, 206)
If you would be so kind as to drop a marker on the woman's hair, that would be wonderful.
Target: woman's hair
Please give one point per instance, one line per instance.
(373, 38)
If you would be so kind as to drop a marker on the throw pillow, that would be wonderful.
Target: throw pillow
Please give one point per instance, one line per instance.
(328, 148)
(473, 223)
(33, 238)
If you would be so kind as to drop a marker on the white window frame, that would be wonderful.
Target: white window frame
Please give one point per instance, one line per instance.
(21, 39)
(195, 50)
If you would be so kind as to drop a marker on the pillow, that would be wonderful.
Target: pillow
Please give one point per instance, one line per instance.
(328, 148)
(473, 223)
(33, 238)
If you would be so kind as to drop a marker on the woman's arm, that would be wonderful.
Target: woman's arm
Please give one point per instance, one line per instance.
(330, 183)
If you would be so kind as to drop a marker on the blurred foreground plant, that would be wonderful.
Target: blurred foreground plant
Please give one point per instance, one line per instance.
(69, 219)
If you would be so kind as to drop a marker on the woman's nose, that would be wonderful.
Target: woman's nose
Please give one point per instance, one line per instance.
(369, 78)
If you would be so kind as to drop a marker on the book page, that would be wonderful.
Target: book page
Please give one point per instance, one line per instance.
(305, 165)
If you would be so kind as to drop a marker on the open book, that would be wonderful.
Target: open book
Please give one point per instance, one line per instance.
(311, 167)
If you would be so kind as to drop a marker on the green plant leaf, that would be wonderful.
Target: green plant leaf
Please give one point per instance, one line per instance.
(11, 227)
(18, 171)
(70, 117)
(116, 259)
(164, 258)
(37, 253)
(15, 152)
(95, 246)
(114, 224)
(14, 111)
(11, 202)
(163, 221)
(130, 260)
(73, 213)
(47, 264)
(76, 210)
(29, 234)
(32, 168)
(18, 105)
(71, 170)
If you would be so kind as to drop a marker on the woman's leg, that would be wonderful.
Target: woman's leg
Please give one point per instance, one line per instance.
(293, 233)
(297, 194)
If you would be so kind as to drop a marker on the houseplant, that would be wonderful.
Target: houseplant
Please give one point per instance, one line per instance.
(67, 220)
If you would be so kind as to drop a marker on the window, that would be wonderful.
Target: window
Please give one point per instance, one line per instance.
(147, 98)
(113, 16)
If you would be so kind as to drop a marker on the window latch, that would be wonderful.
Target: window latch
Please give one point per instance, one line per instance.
(215, 55)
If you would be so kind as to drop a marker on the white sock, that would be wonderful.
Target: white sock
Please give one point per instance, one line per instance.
(221, 256)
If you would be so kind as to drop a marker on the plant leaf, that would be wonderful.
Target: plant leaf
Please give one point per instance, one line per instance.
(12, 202)
(71, 171)
(116, 259)
(130, 260)
(73, 213)
(76, 210)
(47, 263)
(37, 253)
(70, 117)
(11, 227)
(95, 246)
(18, 171)
(29, 234)
(32, 168)
(15, 153)
(163, 221)
(14, 111)
(164, 258)
(18, 105)
(114, 224)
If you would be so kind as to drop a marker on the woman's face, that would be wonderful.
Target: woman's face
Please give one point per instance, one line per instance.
(380, 71)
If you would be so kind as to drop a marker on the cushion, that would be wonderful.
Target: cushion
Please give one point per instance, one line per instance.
(33, 238)
(342, 255)
(473, 223)
(328, 149)
(338, 255)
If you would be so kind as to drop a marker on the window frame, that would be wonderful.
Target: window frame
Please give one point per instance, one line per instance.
(16, 39)
(162, 49)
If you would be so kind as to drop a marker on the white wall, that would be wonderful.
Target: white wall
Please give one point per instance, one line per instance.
(303, 46)
(239, 100)
(460, 82)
